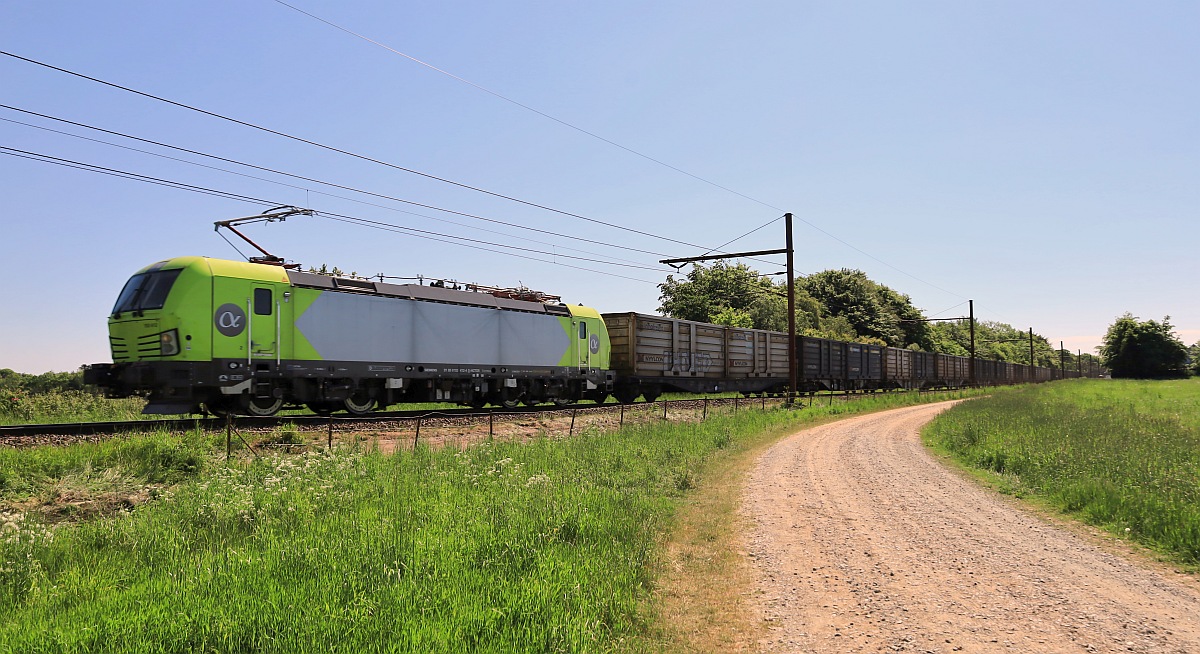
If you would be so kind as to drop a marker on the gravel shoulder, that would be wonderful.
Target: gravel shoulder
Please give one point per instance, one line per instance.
(860, 541)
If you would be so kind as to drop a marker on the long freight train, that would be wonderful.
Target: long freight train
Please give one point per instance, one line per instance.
(251, 338)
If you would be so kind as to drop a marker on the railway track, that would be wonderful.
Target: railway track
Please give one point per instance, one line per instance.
(64, 433)
(74, 431)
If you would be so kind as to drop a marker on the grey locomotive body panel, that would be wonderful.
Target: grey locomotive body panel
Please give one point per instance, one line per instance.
(357, 327)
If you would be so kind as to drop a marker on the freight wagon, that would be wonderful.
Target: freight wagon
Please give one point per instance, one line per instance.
(652, 354)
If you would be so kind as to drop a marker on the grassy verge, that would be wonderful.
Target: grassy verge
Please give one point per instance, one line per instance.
(1121, 455)
(548, 546)
(18, 407)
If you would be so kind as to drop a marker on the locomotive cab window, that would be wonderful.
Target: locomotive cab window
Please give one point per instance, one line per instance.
(262, 301)
(146, 291)
(582, 329)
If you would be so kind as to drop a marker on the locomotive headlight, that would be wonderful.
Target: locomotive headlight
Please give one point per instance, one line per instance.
(169, 343)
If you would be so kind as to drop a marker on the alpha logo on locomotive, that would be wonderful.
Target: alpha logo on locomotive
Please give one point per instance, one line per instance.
(230, 319)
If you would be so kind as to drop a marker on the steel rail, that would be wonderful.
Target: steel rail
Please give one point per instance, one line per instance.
(262, 422)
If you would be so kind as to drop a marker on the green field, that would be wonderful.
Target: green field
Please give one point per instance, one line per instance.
(154, 543)
(1123, 455)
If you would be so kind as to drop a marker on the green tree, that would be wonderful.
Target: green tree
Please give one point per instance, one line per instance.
(1143, 349)
(993, 340)
(45, 382)
(1194, 358)
(871, 309)
(733, 318)
(724, 292)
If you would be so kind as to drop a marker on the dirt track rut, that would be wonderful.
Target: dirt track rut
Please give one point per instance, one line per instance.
(861, 542)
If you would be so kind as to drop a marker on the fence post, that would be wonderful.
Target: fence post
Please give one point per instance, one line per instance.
(705, 415)
(228, 435)
(735, 404)
(622, 414)
(418, 434)
(572, 432)
(491, 414)
(330, 446)
(664, 409)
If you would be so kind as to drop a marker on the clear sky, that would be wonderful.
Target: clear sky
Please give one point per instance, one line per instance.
(1042, 158)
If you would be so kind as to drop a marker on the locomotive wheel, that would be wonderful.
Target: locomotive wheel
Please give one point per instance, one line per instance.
(529, 401)
(219, 408)
(359, 403)
(626, 395)
(510, 403)
(561, 401)
(321, 408)
(262, 406)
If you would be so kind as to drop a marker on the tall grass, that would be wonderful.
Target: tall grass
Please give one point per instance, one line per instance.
(504, 547)
(1124, 455)
(18, 407)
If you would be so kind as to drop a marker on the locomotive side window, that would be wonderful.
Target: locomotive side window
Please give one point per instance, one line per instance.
(262, 301)
(582, 329)
(146, 291)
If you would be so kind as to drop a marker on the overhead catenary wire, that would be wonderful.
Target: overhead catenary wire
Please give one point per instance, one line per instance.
(762, 226)
(445, 180)
(610, 142)
(384, 227)
(527, 107)
(326, 183)
(348, 153)
(416, 231)
(293, 186)
(446, 238)
(24, 154)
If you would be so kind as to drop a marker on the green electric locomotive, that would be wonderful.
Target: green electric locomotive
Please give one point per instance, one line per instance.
(251, 338)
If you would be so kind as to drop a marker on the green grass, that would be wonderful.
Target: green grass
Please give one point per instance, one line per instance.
(1122, 455)
(18, 407)
(545, 546)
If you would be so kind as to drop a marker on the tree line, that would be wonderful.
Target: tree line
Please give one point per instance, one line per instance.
(847, 305)
(46, 382)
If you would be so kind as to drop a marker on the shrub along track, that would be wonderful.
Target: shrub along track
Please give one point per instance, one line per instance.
(858, 540)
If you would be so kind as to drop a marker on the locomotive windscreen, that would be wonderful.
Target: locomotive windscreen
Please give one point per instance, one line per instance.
(145, 291)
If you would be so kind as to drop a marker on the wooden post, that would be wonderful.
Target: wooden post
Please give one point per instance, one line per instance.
(705, 416)
(572, 432)
(418, 434)
(330, 445)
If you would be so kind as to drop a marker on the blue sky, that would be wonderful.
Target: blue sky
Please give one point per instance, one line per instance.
(1041, 158)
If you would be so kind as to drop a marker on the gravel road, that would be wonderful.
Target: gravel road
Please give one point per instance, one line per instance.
(861, 542)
